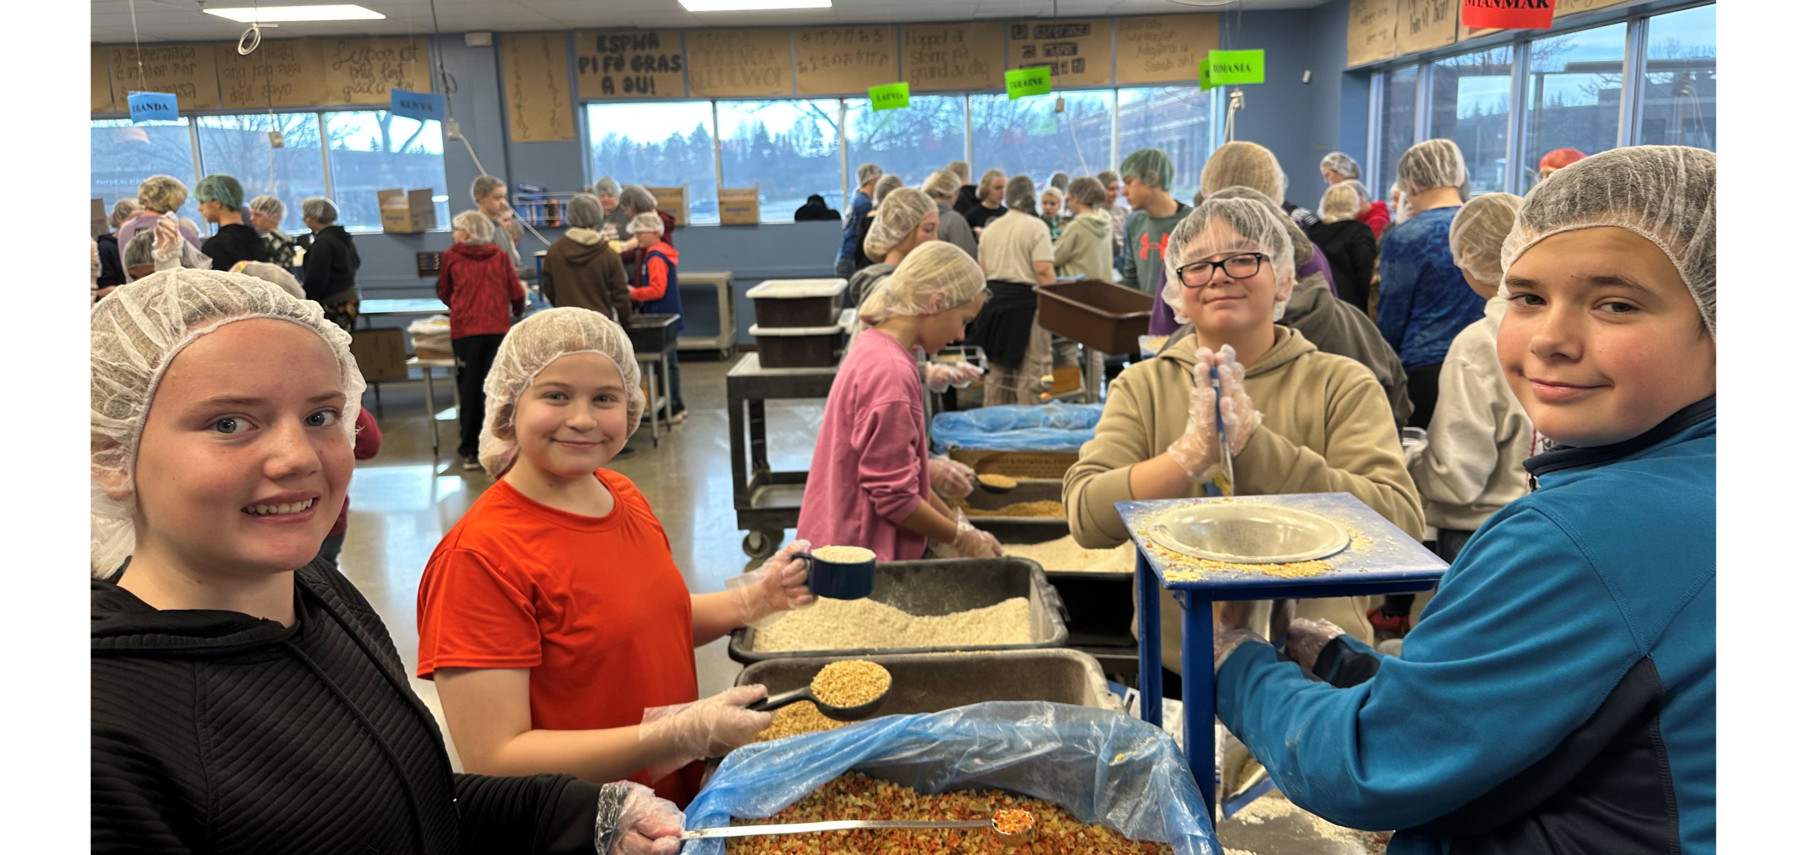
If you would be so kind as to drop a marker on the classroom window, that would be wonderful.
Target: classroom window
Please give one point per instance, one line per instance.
(1399, 107)
(1680, 84)
(788, 149)
(372, 150)
(239, 146)
(1471, 96)
(658, 145)
(124, 154)
(1027, 136)
(1176, 119)
(912, 142)
(1572, 91)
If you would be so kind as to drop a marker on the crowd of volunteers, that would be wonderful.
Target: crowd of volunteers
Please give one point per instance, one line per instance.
(1557, 353)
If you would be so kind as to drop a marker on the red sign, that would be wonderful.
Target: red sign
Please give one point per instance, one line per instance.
(1508, 14)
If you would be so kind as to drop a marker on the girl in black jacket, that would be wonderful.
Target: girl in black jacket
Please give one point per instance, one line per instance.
(240, 705)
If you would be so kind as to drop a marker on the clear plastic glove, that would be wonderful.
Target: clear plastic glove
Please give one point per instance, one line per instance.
(632, 820)
(1197, 449)
(1230, 629)
(1306, 638)
(970, 542)
(1236, 409)
(166, 250)
(709, 727)
(940, 376)
(950, 478)
(779, 585)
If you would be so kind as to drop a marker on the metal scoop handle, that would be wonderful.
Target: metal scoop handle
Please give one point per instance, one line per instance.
(829, 825)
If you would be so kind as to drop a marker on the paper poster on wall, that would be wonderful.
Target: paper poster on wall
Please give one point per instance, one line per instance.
(1024, 82)
(1507, 14)
(1230, 67)
(100, 99)
(1576, 7)
(842, 60)
(629, 64)
(535, 68)
(949, 57)
(152, 107)
(1425, 24)
(1077, 51)
(185, 71)
(423, 106)
(363, 70)
(890, 97)
(285, 73)
(733, 63)
(1162, 48)
(1370, 37)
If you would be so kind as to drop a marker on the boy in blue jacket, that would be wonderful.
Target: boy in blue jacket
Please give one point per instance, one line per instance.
(1559, 692)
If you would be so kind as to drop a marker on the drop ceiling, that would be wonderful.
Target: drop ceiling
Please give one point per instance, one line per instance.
(182, 20)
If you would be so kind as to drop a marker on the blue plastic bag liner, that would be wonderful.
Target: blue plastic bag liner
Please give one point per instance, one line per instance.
(1100, 766)
(1017, 427)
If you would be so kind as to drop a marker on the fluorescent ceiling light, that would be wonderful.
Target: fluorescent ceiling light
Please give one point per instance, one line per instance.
(268, 14)
(751, 5)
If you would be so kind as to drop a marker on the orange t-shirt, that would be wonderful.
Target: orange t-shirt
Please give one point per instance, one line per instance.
(592, 605)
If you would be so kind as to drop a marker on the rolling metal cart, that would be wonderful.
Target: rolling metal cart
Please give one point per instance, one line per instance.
(767, 501)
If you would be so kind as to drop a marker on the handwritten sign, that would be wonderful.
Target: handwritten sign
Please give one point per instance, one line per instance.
(629, 64)
(1576, 7)
(841, 60)
(423, 106)
(362, 70)
(1508, 14)
(1163, 48)
(1425, 24)
(152, 107)
(101, 99)
(535, 67)
(286, 73)
(890, 97)
(1077, 51)
(740, 62)
(185, 71)
(1235, 66)
(1027, 81)
(946, 57)
(1370, 37)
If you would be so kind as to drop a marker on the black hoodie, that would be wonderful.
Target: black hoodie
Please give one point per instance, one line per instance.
(214, 731)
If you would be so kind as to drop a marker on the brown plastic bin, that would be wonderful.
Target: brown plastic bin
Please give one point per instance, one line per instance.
(1106, 317)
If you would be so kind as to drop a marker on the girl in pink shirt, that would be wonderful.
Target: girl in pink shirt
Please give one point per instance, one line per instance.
(868, 485)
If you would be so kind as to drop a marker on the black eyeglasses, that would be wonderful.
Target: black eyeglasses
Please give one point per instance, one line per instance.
(1243, 266)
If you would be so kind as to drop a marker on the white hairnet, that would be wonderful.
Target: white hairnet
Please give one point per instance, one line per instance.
(1021, 194)
(133, 336)
(1665, 194)
(901, 212)
(527, 350)
(866, 173)
(479, 228)
(935, 267)
(883, 186)
(1238, 221)
(1342, 164)
(1243, 164)
(274, 273)
(942, 183)
(1339, 203)
(1477, 232)
(1432, 163)
(646, 222)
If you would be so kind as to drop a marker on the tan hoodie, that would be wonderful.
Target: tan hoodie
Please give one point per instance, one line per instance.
(1085, 247)
(1326, 428)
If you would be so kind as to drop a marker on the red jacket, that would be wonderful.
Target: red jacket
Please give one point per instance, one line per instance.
(478, 283)
(1376, 218)
(368, 442)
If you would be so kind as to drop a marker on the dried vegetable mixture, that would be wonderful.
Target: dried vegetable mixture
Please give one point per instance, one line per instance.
(857, 796)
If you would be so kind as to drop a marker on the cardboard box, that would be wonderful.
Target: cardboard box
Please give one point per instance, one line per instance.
(380, 354)
(739, 207)
(97, 224)
(672, 199)
(406, 211)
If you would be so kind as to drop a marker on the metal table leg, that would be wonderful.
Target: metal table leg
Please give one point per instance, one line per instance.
(1149, 643)
(668, 387)
(1197, 709)
(431, 409)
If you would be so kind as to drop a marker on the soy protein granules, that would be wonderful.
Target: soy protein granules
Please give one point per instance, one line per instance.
(854, 624)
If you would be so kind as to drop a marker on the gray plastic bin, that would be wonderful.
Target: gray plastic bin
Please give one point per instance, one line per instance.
(933, 682)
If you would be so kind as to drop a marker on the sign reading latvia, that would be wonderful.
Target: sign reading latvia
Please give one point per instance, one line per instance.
(1508, 14)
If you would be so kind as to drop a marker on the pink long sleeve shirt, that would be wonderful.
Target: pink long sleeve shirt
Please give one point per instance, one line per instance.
(868, 469)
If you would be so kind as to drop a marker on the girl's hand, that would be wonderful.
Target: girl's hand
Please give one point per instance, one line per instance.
(779, 585)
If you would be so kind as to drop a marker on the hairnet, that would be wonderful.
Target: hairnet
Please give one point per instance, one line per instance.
(162, 193)
(866, 173)
(1559, 158)
(1303, 246)
(606, 186)
(122, 211)
(1432, 163)
(959, 168)
(477, 224)
(320, 209)
(1362, 193)
(1150, 166)
(1107, 176)
(883, 186)
(527, 350)
(1342, 164)
(637, 199)
(274, 273)
(1243, 164)
(1339, 203)
(221, 188)
(1021, 194)
(942, 184)
(900, 213)
(1251, 223)
(1662, 193)
(483, 185)
(990, 175)
(648, 221)
(1060, 180)
(139, 250)
(1088, 191)
(271, 207)
(1055, 193)
(934, 267)
(1477, 232)
(133, 337)
(584, 211)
